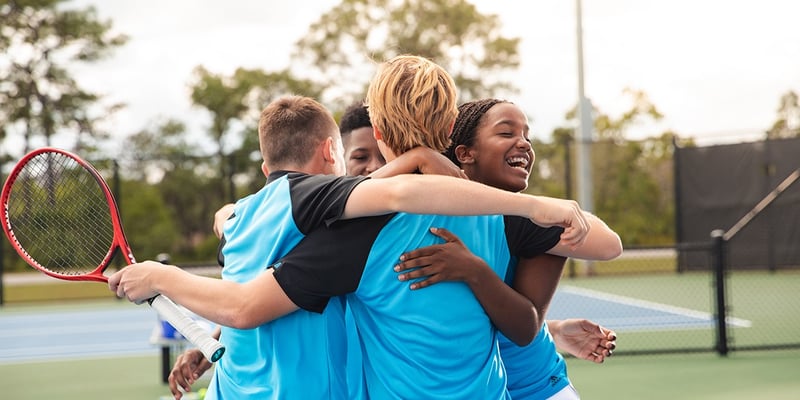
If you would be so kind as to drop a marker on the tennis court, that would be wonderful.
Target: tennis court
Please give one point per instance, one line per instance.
(49, 350)
(118, 328)
(629, 314)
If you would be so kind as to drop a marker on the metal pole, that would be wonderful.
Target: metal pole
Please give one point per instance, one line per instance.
(584, 138)
(718, 249)
(568, 191)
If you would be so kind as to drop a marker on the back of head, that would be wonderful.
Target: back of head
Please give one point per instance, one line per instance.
(466, 127)
(412, 102)
(290, 128)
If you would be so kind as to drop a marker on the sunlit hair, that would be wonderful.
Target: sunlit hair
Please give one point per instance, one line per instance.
(470, 117)
(412, 102)
(290, 127)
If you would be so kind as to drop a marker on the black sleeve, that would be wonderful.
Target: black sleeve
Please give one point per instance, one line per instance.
(526, 239)
(328, 262)
(318, 199)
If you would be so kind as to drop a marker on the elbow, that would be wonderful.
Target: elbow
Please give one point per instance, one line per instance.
(238, 315)
(614, 249)
(606, 249)
(524, 337)
(241, 319)
(525, 340)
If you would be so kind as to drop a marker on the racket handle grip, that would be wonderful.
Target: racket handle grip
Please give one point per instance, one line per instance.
(189, 328)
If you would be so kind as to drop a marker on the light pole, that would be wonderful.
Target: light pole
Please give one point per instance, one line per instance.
(584, 137)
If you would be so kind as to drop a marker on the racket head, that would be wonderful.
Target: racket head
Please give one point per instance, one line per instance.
(60, 216)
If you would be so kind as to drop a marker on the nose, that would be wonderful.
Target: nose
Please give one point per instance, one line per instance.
(524, 143)
(373, 164)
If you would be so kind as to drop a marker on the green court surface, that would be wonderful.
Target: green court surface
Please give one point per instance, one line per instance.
(773, 375)
(740, 376)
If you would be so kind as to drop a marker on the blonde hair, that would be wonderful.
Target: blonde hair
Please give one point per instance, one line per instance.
(290, 128)
(412, 102)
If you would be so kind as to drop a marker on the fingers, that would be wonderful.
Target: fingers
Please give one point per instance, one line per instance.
(187, 369)
(445, 234)
(113, 281)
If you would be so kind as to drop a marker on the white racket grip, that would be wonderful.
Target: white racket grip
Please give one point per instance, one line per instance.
(188, 327)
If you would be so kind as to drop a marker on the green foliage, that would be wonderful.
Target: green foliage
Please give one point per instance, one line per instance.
(343, 45)
(37, 94)
(148, 223)
(237, 100)
(787, 124)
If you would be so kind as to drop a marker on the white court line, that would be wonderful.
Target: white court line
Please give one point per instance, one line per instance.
(742, 323)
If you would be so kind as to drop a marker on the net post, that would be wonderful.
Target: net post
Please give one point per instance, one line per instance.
(718, 256)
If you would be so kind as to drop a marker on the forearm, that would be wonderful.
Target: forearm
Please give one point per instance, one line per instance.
(512, 313)
(404, 164)
(537, 279)
(221, 301)
(435, 194)
(601, 244)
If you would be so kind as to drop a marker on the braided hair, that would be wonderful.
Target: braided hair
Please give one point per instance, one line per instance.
(465, 129)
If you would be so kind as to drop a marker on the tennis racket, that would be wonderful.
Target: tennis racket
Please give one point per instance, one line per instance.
(61, 218)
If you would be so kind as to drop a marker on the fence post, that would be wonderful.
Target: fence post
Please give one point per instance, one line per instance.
(718, 256)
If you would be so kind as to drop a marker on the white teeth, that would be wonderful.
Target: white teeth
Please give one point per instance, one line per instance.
(518, 161)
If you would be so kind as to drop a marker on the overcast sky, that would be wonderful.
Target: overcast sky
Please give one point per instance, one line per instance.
(715, 68)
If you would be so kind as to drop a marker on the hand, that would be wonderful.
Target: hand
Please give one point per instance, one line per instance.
(450, 261)
(222, 215)
(565, 213)
(188, 368)
(134, 281)
(583, 339)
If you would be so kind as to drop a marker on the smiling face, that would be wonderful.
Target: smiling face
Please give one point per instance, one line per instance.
(501, 154)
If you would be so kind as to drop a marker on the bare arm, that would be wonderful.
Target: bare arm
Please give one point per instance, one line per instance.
(509, 311)
(536, 278)
(436, 194)
(419, 159)
(254, 303)
(601, 243)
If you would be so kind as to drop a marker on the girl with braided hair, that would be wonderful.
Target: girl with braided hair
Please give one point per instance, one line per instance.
(490, 143)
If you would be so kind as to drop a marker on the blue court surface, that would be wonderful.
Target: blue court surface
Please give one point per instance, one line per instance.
(126, 329)
(70, 333)
(627, 314)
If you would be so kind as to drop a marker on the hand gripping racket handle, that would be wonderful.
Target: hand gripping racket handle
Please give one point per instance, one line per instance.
(188, 327)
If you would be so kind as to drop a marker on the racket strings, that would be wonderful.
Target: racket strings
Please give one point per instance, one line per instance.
(59, 215)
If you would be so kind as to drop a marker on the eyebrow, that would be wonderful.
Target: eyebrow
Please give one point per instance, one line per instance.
(509, 122)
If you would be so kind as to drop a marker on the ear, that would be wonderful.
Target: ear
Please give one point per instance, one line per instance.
(328, 151)
(464, 154)
(376, 134)
(264, 168)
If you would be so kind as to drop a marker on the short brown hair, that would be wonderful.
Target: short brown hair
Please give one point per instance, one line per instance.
(412, 102)
(289, 129)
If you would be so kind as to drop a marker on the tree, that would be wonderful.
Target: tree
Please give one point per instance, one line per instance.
(37, 40)
(633, 189)
(237, 100)
(788, 123)
(343, 45)
(161, 159)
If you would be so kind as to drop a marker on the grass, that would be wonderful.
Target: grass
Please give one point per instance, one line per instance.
(769, 300)
(740, 376)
